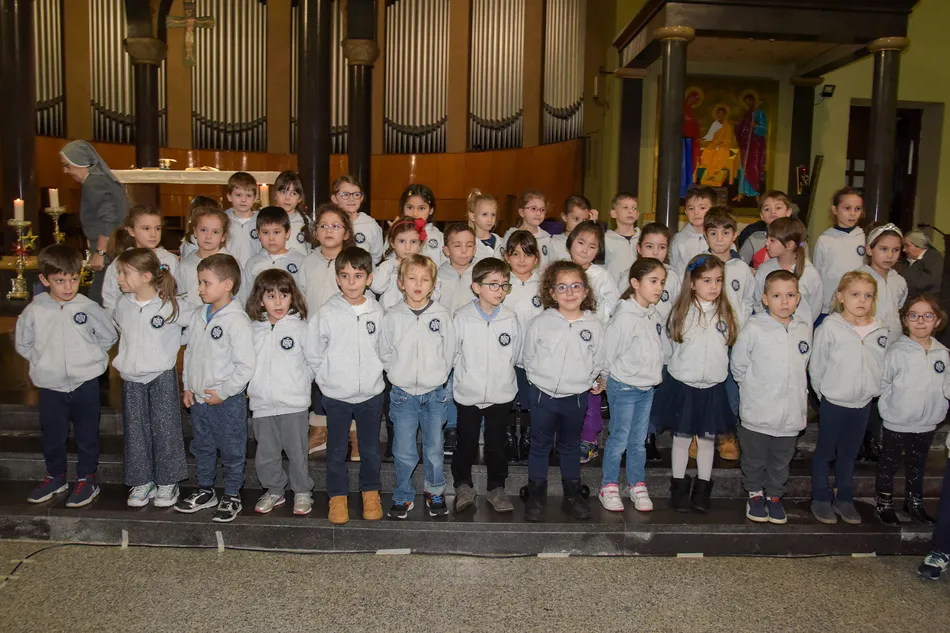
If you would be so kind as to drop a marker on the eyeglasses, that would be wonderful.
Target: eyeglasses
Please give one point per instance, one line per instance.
(350, 195)
(494, 286)
(916, 316)
(534, 209)
(574, 287)
(333, 228)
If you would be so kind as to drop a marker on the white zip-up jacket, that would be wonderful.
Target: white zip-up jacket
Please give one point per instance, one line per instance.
(605, 291)
(559, 250)
(634, 345)
(485, 356)
(149, 342)
(296, 240)
(417, 351)
(187, 247)
(525, 300)
(281, 380)
(891, 295)
(741, 288)
(432, 247)
(110, 284)
(563, 358)
(702, 359)
(837, 253)
(455, 290)
(188, 280)
(220, 353)
(619, 255)
(543, 239)
(368, 235)
(809, 287)
(291, 261)
(686, 245)
(242, 243)
(664, 307)
(67, 343)
(845, 368)
(770, 363)
(915, 386)
(319, 275)
(385, 283)
(343, 349)
(483, 250)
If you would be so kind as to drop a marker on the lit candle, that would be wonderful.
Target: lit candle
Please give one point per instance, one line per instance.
(265, 196)
(54, 198)
(18, 210)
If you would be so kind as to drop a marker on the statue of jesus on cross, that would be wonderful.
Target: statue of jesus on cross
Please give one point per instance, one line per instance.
(189, 22)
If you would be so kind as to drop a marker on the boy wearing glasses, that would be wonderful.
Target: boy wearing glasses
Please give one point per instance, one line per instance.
(348, 195)
(485, 384)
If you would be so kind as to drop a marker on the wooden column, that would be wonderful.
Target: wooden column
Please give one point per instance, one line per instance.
(631, 115)
(460, 37)
(178, 98)
(878, 189)
(78, 71)
(361, 51)
(278, 76)
(673, 42)
(799, 152)
(534, 11)
(313, 100)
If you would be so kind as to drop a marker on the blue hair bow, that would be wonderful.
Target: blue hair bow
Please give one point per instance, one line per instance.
(697, 262)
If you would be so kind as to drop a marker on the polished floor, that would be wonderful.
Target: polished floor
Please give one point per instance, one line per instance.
(83, 588)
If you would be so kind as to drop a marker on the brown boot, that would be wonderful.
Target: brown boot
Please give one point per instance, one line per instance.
(692, 448)
(339, 514)
(354, 448)
(372, 506)
(318, 439)
(728, 448)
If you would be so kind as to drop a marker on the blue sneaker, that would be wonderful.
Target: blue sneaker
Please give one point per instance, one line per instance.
(755, 509)
(436, 505)
(934, 564)
(776, 511)
(49, 487)
(85, 491)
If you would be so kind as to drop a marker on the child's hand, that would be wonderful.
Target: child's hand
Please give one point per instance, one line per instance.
(599, 387)
(594, 215)
(188, 398)
(211, 397)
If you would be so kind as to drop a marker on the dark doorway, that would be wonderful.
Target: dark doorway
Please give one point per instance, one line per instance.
(906, 151)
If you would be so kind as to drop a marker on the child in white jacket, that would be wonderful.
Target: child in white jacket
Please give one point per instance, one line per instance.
(842, 247)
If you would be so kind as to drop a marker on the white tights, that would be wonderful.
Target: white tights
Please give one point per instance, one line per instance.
(705, 450)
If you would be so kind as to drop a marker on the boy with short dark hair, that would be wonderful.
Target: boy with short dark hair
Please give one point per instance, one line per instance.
(242, 225)
(690, 241)
(273, 230)
(66, 337)
(367, 234)
(620, 243)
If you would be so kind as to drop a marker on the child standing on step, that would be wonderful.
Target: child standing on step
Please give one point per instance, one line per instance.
(635, 359)
(564, 358)
(620, 243)
(488, 342)
(348, 196)
(150, 321)
(913, 402)
(343, 341)
(691, 240)
(219, 362)
(417, 348)
(288, 195)
(531, 210)
(577, 209)
(769, 361)
(142, 229)
(842, 247)
(279, 390)
(846, 367)
(188, 244)
(786, 247)
(482, 215)
(210, 230)
(693, 401)
(66, 338)
(242, 226)
(418, 202)
(273, 230)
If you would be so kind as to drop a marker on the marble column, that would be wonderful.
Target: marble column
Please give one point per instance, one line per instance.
(673, 42)
(313, 100)
(360, 56)
(878, 178)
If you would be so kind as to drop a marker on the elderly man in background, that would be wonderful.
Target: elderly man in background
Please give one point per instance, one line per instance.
(922, 267)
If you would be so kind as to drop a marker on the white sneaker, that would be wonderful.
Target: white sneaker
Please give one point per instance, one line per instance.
(141, 495)
(640, 497)
(303, 503)
(167, 496)
(610, 498)
(268, 502)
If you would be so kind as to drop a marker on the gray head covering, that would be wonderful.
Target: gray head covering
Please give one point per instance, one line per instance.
(918, 239)
(82, 154)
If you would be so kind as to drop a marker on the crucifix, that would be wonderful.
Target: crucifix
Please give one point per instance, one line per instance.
(189, 22)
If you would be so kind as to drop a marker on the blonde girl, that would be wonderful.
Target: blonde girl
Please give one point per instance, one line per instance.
(482, 216)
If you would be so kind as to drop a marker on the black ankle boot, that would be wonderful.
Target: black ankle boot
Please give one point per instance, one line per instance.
(885, 509)
(511, 444)
(537, 500)
(390, 431)
(679, 493)
(702, 491)
(574, 502)
(653, 454)
(524, 444)
(914, 506)
(869, 451)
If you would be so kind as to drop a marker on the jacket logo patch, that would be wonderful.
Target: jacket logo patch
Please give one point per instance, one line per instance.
(939, 367)
(253, 234)
(882, 341)
(287, 342)
(217, 332)
(301, 238)
(665, 296)
(433, 243)
(505, 339)
(80, 318)
(435, 325)
(370, 327)
(536, 301)
(359, 238)
(157, 321)
(861, 250)
(659, 330)
(544, 250)
(803, 347)
(735, 285)
(722, 327)
(586, 336)
(292, 268)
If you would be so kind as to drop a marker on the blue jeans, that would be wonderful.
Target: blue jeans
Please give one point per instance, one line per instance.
(220, 427)
(561, 417)
(840, 433)
(629, 419)
(451, 411)
(339, 415)
(408, 413)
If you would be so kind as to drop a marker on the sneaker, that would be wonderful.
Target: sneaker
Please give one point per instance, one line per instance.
(449, 441)
(464, 497)
(228, 509)
(934, 564)
(776, 511)
(610, 498)
(401, 510)
(141, 495)
(755, 509)
(435, 504)
(200, 499)
(167, 496)
(268, 502)
(318, 439)
(640, 497)
(372, 506)
(589, 451)
(85, 491)
(48, 487)
(824, 512)
(303, 503)
(499, 500)
(847, 512)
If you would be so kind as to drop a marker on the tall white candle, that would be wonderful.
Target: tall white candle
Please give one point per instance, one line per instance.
(18, 210)
(54, 197)
(265, 195)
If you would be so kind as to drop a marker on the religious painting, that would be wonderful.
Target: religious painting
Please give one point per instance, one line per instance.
(728, 136)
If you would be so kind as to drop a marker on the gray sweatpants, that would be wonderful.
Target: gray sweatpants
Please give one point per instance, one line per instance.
(154, 446)
(765, 460)
(288, 433)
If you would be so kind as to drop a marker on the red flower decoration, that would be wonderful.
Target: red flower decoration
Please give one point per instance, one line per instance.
(421, 229)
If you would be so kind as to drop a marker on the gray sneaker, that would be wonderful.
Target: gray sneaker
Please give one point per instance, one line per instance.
(847, 511)
(499, 500)
(464, 497)
(824, 512)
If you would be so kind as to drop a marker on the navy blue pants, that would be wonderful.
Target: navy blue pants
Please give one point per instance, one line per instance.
(339, 415)
(57, 410)
(562, 418)
(941, 540)
(840, 433)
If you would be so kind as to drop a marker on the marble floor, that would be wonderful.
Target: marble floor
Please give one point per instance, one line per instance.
(85, 588)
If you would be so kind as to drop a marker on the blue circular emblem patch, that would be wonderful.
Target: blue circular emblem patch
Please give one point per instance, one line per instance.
(301, 238)
(292, 268)
(586, 336)
(216, 332)
(659, 329)
(803, 347)
(435, 325)
(505, 340)
(433, 243)
(939, 367)
(882, 341)
(253, 234)
(544, 250)
(359, 238)
(536, 301)
(370, 327)
(80, 318)
(287, 342)
(157, 321)
(722, 327)
(735, 285)
(861, 250)
(665, 296)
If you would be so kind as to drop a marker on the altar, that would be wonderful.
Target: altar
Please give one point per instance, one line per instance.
(186, 176)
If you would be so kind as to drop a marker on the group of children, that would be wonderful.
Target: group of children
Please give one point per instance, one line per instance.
(317, 325)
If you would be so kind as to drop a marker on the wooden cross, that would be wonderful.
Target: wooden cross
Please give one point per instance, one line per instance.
(189, 22)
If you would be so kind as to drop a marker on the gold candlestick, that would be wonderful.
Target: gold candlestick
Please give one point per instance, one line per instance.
(19, 291)
(55, 212)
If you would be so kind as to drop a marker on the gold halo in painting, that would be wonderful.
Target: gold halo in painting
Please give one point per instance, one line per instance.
(724, 106)
(750, 93)
(699, 92)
